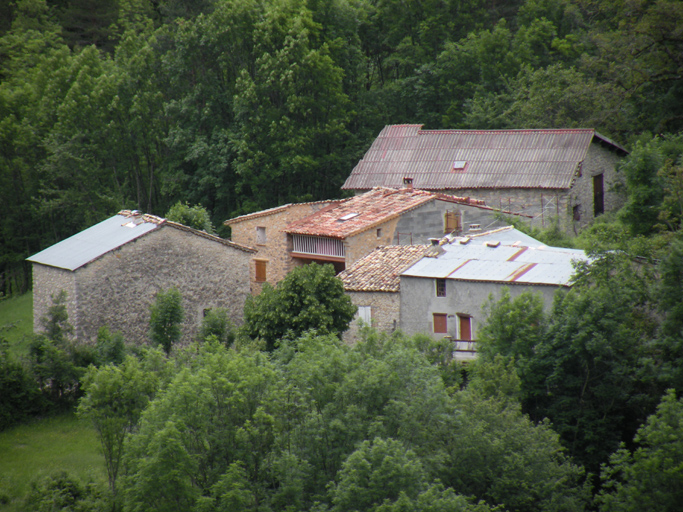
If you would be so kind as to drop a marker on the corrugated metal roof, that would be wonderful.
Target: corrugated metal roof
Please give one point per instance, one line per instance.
(476, 261)
(545, 159)
(90, 244)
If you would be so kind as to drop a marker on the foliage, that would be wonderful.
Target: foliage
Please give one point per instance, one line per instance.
(193, 216)
(216, 325)
(110, 348)
(650, 476)
(309, 297)
(19, 393)
(115, 396)
(166, 317)
(62, 491)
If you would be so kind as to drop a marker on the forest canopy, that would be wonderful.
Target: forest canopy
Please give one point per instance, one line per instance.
(240, 105)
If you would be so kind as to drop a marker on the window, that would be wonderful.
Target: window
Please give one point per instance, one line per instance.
(440, 323)
(261, 235)
(459, 165)
(452, 222)
(260, 270)
(365, 314)
(576, 211)
(598, 195)
(465, 325)
(379, 232)
(440, 287)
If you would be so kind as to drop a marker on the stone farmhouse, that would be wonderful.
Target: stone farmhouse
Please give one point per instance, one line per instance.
(443, 294)
(341, 232)
(112, 271)
(373, 284)
(567, 174)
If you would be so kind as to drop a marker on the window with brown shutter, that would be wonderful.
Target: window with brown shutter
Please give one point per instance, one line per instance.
(465, 327)
(452, 222)
(260, 270)
(440, 323)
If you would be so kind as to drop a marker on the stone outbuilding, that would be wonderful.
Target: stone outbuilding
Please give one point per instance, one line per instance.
(111, 273)
(567, 174)
(444, 292)
(373, 284)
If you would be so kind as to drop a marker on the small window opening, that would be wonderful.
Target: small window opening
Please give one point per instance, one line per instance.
(440, 287)
(379, 232)
(576, 212)
(261, 235)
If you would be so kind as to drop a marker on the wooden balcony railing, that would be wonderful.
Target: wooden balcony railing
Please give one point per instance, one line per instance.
(318, 246)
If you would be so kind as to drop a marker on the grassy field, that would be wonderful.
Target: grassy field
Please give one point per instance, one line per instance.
(42, 448)
(16, 322)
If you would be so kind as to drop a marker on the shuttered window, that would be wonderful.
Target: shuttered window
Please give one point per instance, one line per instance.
(365, 314)
(441, 323)
(465, 327)
(260, 270)
(452, 222)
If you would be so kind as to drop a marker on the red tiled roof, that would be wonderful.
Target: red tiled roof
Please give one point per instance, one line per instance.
(546, 159)
(364, 211)
(380, 270)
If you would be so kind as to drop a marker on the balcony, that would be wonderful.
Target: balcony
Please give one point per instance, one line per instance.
(318, 247)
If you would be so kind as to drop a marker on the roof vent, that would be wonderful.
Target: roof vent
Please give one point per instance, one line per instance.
(459, 165)
(475, 227)
(492, 243)
(434, 241)
(465, 241)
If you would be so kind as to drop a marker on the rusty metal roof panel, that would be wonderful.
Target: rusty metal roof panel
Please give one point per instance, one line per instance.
(545, 159)
(88, 245)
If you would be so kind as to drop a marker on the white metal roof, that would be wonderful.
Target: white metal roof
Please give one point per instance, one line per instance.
(514, 264)
(90, 244)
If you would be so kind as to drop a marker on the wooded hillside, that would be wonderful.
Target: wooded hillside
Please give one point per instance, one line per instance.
(240, 105)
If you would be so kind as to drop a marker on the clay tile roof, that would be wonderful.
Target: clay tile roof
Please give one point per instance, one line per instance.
(466, 159)
(379, 271)
(364, 211)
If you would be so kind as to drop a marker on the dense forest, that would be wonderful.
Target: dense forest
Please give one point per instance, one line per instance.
(240, 105)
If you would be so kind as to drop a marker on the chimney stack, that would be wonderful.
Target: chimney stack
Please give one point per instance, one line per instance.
(408, 183)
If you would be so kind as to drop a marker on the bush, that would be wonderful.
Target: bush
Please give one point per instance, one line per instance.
(63, 492)
(19, 394)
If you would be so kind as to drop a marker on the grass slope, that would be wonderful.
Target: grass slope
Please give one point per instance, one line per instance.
(16, 322)
(35, 450)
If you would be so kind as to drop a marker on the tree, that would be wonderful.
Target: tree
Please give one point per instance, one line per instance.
(166, 317)
(309, 297)
(649, 478)
(115, 396)
(193, 216)
(216, 325)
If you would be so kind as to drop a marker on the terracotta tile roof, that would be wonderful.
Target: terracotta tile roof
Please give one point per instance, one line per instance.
(463, 159)
(362, 212)
(379, 271)
(277, 209)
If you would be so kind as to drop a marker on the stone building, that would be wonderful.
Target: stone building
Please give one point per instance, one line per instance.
(569, 175)
(443, 293)
(341, 232)
(373, 285)
(264, 231)
(112, 271)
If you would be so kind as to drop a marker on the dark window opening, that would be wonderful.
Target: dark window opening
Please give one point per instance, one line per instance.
(440, 287)
(598, 195)
(576, 211)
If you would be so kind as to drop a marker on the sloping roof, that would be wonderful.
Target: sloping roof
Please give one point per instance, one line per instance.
(96, 241)
(275, 210)
(364, 211)
(490, 261)
(546, 159)
(379, 271)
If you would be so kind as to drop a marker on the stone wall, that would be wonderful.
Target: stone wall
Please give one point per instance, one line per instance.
(385, 308)
(47, 282)
(419, 302)
(118, 288)
(275, 251)
(364, 243)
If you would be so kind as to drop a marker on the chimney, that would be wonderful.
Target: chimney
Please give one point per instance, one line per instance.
(408, 183)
